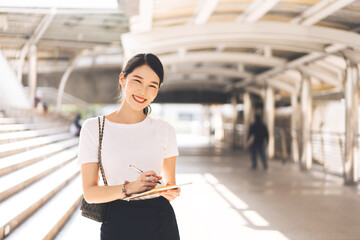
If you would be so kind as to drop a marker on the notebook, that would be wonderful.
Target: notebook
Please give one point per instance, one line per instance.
(154, 191)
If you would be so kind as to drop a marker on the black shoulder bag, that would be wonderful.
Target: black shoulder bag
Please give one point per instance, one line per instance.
(97, 211)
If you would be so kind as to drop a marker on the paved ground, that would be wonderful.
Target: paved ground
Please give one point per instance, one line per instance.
(227, 200)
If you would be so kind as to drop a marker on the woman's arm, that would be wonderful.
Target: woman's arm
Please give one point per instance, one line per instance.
(168, 171)
(93, 193)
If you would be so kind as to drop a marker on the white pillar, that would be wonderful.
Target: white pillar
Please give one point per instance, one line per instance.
(248, 116)
(306, 120)
(351, 163)
(294, 128)
(270, 119)
(234, 120)
(32, 77)
(206, 121)
(23, 53)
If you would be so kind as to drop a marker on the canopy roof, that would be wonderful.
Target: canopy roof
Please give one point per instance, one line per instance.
(211, 46)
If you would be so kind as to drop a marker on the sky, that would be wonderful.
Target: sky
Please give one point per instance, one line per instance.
(105, 4)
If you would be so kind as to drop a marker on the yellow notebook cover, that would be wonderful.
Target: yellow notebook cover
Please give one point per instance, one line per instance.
(155, 190)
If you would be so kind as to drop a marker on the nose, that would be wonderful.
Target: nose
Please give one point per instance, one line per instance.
(143, 90)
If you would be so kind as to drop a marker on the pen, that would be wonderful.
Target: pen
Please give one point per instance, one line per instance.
(139, 171)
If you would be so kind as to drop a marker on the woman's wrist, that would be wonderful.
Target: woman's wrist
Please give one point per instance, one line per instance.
(124, 189)
(129, 188)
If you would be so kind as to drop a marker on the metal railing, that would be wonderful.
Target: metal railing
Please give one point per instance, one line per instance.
(282, 139)
(327, 147)
(328, 150)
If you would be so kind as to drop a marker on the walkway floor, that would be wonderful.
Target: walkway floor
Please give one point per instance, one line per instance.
(228, 200)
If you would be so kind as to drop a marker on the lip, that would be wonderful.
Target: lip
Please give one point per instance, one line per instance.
(139, 98)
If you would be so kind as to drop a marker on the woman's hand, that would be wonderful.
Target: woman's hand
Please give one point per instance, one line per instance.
(146, 181)
(170, 194)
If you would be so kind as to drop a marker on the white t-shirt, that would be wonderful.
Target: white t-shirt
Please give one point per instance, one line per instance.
(145, 145)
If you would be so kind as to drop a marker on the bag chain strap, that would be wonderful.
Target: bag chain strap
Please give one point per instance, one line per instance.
(101, 133)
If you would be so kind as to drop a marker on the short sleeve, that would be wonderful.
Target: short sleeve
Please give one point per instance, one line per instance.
(171, 148)
(88, 143)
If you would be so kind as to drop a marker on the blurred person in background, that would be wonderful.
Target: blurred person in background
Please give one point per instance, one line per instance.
(258, 138)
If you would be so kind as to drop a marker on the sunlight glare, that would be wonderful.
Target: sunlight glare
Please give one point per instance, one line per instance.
(255, 218)
(231, 197)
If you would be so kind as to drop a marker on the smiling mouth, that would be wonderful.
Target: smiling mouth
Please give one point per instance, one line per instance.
(139, 99)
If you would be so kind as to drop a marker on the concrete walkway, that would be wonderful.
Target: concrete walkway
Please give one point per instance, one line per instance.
(229, 201)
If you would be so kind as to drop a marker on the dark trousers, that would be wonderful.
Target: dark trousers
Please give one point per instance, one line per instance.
(150, 219)
(258, 149)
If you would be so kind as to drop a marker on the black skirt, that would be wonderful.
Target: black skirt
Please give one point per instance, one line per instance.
(150, 219)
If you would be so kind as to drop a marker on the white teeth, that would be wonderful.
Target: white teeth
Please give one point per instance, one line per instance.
(138, 99)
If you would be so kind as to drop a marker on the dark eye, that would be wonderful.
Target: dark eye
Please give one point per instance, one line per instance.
(137, 81)
(153, 86)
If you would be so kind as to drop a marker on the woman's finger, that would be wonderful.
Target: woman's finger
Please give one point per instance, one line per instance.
(171, 193)
(151, 173)
(150, 179)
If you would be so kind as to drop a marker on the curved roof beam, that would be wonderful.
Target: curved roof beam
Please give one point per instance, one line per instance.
(218, 71)
(204, 11)
(290, 65)
(281, 85)
(255, 90)
(284, 45)
(352, 55)
(320, 11)
(193, 83)
(256, 10)
(323, 75)
(177, 37)
(331, 68)
(223, 57)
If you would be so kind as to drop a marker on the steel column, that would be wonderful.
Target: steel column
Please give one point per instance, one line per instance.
(234, 120)
(306, 120)
(270, 119)
(248, 116)
(294, 128)
(351, 164)
(32, 72)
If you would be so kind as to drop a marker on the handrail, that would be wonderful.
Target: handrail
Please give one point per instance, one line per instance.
(51, 93)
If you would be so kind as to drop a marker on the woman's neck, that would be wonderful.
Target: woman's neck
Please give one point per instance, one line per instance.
(125, 114)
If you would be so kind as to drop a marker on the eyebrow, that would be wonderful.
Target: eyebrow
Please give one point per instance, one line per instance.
(137, 76)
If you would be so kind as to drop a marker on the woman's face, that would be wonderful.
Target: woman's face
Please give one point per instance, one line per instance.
(140, 87)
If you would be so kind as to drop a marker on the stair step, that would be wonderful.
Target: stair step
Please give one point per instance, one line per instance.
(26, 126)
(16, 120)
(51, 217)
(11, 163)
(20, 206)
(16, 181)
(79, 227)
(20, 146)
(11, 136)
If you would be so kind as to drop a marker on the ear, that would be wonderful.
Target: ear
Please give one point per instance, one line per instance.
(122, 80)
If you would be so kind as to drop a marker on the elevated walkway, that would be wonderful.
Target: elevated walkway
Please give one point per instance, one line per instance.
(230, 201)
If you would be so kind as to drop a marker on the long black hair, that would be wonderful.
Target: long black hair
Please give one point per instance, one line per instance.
(137, 61)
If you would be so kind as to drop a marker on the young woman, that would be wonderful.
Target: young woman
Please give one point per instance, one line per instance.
(132, 137)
